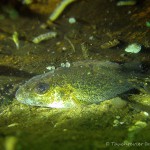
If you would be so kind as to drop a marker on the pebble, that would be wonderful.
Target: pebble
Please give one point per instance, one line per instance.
(72, 20)
(133, 48)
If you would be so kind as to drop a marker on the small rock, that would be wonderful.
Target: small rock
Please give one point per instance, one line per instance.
(72, 20)
(133, 48)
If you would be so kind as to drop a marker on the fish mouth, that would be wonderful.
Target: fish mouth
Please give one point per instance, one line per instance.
(22, 97)
(18, 95)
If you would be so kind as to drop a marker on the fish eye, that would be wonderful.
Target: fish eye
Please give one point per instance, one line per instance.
(42, 88)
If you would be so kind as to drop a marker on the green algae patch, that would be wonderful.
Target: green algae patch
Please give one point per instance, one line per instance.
(77, 128)
(141, 101)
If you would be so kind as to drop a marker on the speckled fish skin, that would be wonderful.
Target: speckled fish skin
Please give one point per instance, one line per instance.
(84, 82)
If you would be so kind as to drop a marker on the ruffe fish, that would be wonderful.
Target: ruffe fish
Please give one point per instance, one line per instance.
(84, 82)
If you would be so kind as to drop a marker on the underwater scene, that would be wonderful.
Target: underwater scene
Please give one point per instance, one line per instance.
(74, 74)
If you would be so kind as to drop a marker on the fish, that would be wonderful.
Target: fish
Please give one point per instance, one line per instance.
(81, 84)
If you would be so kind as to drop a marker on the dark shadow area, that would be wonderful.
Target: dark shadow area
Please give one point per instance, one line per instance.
(9, 71)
